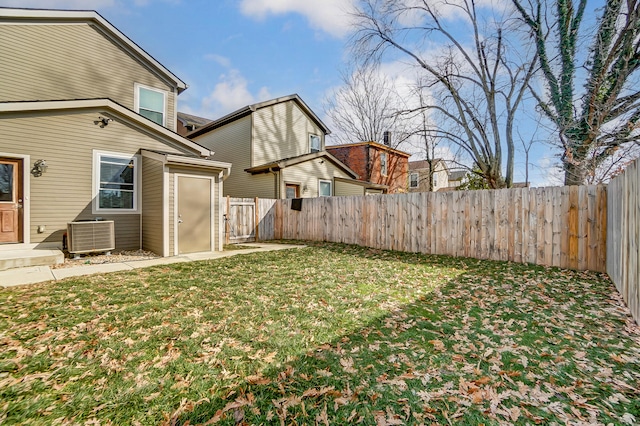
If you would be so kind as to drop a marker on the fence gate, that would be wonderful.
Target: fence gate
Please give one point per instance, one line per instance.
(240, 220)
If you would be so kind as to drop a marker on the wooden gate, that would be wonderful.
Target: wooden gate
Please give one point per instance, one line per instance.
(240, 220)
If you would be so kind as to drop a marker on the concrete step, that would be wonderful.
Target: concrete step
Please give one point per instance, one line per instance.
(21, 258)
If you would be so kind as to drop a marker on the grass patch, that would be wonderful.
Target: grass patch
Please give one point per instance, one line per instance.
(328, 334)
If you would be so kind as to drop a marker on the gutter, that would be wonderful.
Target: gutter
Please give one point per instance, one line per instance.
(179, 160)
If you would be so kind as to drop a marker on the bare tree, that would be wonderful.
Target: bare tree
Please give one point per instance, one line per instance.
(423, 132)
(602, 119)
(365, 107)
(479, 84)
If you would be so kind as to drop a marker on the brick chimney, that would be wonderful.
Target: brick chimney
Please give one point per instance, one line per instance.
(386, 137)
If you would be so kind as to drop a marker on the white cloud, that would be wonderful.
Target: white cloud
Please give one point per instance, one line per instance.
(231, 92)
(547, 172)
(219, 59)
(331, 16)
(452, 10)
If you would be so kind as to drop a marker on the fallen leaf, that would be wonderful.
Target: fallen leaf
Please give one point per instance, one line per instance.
(437, 345)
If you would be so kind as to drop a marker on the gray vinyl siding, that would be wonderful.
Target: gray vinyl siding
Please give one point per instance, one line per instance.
(309, 174)
(64, 192)
(282, 131)
(232, 144)
(152, 202)
(345, 189)
(71, 61)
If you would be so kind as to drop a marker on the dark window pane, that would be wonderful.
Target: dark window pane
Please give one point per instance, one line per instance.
(6, 182)
(152, 115)
(111, 199)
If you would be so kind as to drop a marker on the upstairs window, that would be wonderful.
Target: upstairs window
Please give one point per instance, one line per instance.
(314, 143)
(383, 164)
(413, 180)
(151, 103)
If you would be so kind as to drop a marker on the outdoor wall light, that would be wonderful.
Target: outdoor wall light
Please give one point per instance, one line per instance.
(39, 167)
(102, 121)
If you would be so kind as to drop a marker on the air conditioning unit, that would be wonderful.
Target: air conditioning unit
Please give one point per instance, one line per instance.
(91, 236)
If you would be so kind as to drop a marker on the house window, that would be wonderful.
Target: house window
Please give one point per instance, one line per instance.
(293, 191)
(413, 180)
(314, 143)
(324, 188)
(435, 180)
(151, 103)
(383, 163)
(116, 182)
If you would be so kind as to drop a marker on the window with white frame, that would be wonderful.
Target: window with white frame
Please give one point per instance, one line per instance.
(324, 188)
(383, 164)
(116, 182)
(315, 143)
(151, 103)
(435, 180)
(413, 180)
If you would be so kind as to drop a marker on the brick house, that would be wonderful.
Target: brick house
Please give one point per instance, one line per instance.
(375, 162)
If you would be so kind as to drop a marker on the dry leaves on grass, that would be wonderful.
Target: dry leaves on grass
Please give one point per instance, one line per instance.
(354, 336)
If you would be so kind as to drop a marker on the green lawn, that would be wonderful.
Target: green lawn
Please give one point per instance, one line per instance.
(329, 334)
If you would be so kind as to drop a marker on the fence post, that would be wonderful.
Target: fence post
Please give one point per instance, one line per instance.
(256, 221)
(277, 220)
(226, 222)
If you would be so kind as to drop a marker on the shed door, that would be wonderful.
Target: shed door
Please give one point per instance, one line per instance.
(194, 214)
(11, 213)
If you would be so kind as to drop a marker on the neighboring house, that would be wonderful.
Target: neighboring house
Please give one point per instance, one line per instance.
(456, 177)
(419, 175)
(277, 150)
(376, 163)
(188, 123)
(82, 99)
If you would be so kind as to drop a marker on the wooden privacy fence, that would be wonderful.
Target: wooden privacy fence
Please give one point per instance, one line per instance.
(561, 226)
(623, 236)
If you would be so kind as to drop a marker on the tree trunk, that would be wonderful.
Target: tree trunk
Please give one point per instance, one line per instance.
(574, 174)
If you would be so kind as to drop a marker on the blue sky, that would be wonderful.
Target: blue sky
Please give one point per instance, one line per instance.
(233, 53)
(230, 52)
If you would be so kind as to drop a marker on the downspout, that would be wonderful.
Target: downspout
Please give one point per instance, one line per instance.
(276, 182)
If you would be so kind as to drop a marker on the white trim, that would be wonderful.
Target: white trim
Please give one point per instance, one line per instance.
(136, 100)
(176, 196)
(385, 171)
(95, 183)
(179, 160)
(221, 178)
(165, 210)
(26, 200)
(330, 185)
